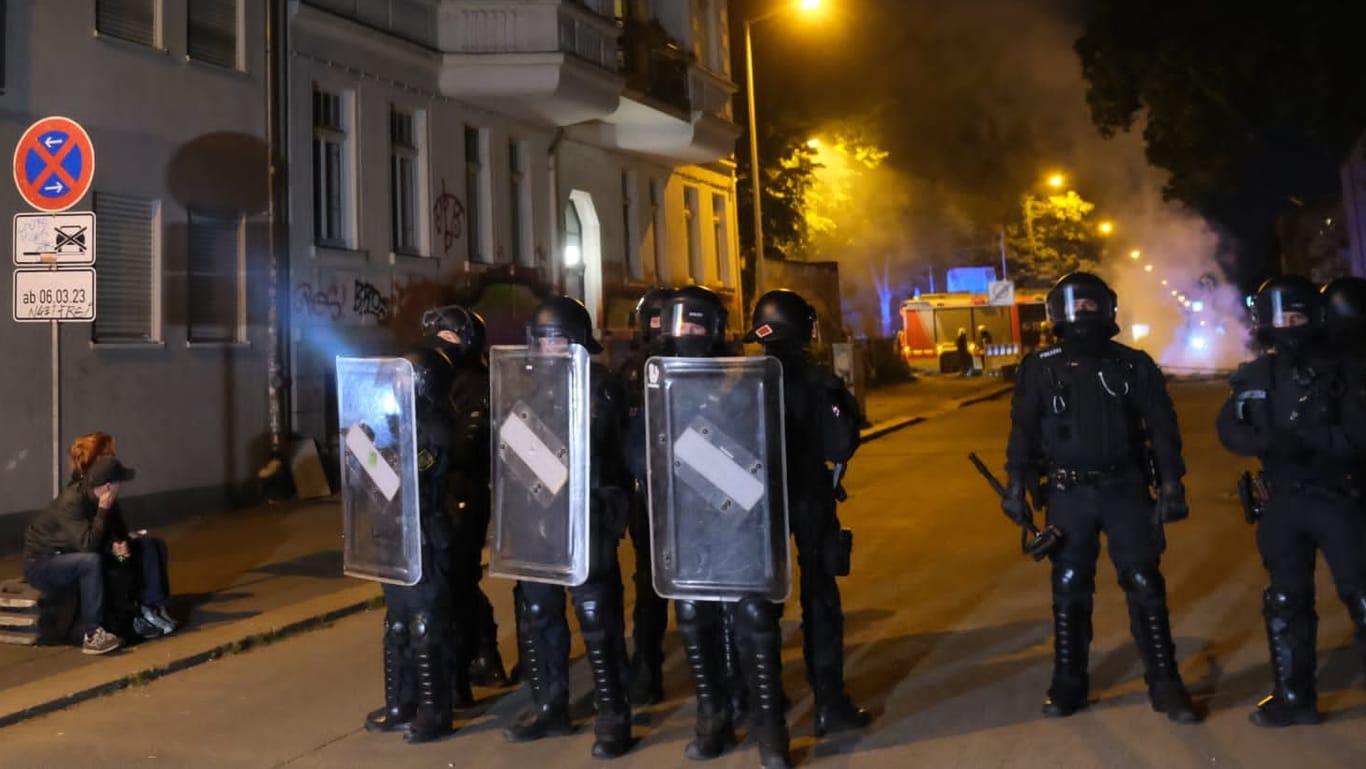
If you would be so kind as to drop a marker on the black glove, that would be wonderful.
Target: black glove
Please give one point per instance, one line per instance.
(1013, 504)
(1171, 502)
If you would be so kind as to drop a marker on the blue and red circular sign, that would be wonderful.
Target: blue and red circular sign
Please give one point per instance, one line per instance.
(54, 163)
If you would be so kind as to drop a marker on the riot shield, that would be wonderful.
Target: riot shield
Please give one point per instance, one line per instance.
(540, 418)
(717, 478)
(381, 533)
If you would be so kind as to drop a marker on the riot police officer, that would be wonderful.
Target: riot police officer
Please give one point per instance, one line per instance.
(1088, 415)
(651, 613)
(477, 660)
(822, 427)
(544, 632)
(694, 327)
(418, 648)
(1301, 411)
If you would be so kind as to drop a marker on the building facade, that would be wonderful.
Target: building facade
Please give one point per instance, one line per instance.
(489, 152)
(170, 93)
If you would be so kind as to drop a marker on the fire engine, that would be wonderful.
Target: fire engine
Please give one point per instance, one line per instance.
(930, 324)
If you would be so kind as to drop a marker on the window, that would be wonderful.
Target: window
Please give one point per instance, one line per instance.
(4, 11)
(476, 194)
(212, 35)
(215, 308)
(630, 216)
(661, 231)
(331, 170)
(693, 232)
(132, 20)
(403, 181)
(520, 204)
(127, 285)
(722, 236)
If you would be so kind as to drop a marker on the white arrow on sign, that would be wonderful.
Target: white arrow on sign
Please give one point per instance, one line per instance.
(51, 142)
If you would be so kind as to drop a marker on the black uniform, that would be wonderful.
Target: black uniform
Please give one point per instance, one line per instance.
(470, 501)
(822, 427)
(418, 648)
(543, 630)
(1087, 415)
(1302, 412)
(752, 623)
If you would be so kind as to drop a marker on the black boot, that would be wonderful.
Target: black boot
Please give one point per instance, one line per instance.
(396, 713)
(840, 715)
(736, 688)
(1146, 595)
(549, 714)
(758, 624)
(612, 719)
(647, 680)
(1291, 632)
(462, 696)
(1071, 649)
(433, 718)
(699, 625)
(486, 668)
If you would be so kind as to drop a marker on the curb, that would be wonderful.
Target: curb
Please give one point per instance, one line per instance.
(898, 423)
(241, 636)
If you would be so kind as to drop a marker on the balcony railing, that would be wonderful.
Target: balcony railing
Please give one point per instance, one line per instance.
(413, 20)
(489, 26)
(710, 94)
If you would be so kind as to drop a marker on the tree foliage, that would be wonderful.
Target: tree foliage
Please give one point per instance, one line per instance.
(1053, 236)
(1251, 108)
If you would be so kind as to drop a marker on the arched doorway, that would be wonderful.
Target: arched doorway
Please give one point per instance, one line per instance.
(582, 253)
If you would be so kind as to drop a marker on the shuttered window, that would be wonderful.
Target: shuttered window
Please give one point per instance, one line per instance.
(403, 156)
(132, 20)
(126, 273)
(213, 32)
(215, 277)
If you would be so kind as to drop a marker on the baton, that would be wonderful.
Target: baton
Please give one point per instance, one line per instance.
(1035, 543)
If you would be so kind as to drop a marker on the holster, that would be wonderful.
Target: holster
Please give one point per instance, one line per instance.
(838, 553)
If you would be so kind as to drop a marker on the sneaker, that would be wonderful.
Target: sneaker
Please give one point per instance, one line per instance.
(166, 617)
(158, 619)
(145, 629)
(100, 642)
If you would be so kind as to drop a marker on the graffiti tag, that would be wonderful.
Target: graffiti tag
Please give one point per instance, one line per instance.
(369, 301)
(317, 304)
(448, 216)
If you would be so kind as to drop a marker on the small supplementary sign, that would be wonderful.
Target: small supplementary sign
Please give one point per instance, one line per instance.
(60, 239)
(1001, 293)
(48, 295)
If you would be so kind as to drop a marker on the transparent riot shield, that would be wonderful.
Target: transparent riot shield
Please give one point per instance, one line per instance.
(717, 478)
(381, 533)
(540, 420)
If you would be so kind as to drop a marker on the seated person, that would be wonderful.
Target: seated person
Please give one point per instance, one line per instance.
(136, 585)
(63, 545)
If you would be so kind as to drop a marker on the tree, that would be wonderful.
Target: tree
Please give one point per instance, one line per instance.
(786, 164)
(1251, 110)
(1053, 236)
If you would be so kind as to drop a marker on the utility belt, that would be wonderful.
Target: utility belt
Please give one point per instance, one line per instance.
(1064, 478)
(1345, 485)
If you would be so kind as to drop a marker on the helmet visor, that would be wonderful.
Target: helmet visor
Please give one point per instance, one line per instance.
(1285, 313)
(1074, 303)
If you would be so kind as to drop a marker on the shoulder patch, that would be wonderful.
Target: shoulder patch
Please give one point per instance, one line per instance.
(1050, 352)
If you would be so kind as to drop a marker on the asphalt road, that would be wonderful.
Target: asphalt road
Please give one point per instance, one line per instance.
(948, 642)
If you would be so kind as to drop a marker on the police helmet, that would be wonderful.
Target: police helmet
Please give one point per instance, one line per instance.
(782, 315)
(695, 306)
(649, 309)
(562, 317)
(1279, 300)
(1070, 306)
(462, 322)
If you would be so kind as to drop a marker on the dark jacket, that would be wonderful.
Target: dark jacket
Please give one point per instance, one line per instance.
(72, 523)
(1097, 411)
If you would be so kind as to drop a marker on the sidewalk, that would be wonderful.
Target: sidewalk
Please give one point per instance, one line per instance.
(246, 577)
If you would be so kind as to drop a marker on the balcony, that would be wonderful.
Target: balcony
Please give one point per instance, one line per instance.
(552, 60)
(412, 20)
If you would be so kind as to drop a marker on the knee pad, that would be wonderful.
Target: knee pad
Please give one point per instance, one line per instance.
(756, 615)
(1284, 603)
(421, 627)
(533, 611)
(1144, 582)
(688, 612)
(395, 629)
(591, 619)
(1071, 581)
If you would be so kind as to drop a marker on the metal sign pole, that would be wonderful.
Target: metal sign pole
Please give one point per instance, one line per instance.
(56, 410)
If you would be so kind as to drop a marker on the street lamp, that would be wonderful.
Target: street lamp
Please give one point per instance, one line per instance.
(806, 6)
(1106, 228)
(1134, 254)
(1056, 181)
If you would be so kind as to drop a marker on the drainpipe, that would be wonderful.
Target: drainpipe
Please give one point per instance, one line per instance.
(552, 165)
(277, 285)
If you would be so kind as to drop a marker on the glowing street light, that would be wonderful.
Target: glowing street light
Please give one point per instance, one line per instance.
(1147, 268)
(1056, 181)
(1164, 281)
(1134, 254)
(805, 6)
(813, 143)
(1107, 227)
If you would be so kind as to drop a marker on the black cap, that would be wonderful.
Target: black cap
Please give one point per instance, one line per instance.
(108, 469)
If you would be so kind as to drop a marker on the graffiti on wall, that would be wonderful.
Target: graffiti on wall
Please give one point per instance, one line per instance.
(369, 301)
(341, 297)
(448, 216)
